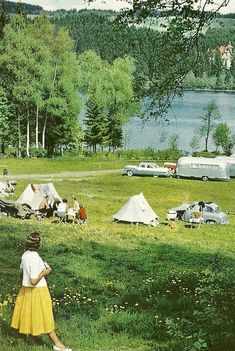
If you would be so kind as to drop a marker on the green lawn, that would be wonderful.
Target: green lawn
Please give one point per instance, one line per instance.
(120, 287)
(35, 166)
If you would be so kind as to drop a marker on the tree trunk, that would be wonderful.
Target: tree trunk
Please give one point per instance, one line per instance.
(44, 133)
(36, 129)
(27, 140)
(50, 150)
(207, 137)
(2, 148)
(18, 151)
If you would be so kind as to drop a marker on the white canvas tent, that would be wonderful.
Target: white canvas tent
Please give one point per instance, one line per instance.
(34, 194)
(136, 210)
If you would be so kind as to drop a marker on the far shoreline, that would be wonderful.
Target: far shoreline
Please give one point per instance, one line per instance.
(212, 90)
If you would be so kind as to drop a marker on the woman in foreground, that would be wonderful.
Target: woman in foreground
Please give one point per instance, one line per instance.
(33, 309)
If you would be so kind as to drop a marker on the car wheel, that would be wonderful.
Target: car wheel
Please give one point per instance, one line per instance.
(172, 171)
(129, 173)
(205, 179)
(210, 221)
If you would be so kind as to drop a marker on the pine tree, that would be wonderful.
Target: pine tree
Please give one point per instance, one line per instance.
(114, 132)
(4, 17)
(95, 125)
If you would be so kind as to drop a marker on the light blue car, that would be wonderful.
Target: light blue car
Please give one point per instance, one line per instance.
(211, 213)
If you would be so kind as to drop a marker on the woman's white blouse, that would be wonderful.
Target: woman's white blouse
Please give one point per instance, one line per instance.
(32, 266)
(62, 207)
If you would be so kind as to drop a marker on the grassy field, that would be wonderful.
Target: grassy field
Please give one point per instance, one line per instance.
(119, 287)
(45, 166)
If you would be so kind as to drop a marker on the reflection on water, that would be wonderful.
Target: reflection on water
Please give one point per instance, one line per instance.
(183, 118)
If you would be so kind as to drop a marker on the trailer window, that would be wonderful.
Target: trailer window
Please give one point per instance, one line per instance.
(202, 166)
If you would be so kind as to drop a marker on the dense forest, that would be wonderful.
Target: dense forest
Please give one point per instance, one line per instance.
(12, 7)
(55, 65)
(98, 31)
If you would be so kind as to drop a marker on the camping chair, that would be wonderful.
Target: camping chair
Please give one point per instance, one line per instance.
(196, 219)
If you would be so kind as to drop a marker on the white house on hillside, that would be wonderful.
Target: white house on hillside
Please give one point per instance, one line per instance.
(226, 55)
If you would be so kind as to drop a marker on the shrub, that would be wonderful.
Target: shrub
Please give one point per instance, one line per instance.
(211, 154)
(38, 153)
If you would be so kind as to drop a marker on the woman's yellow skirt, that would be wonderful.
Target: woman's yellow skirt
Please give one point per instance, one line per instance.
(33, 311)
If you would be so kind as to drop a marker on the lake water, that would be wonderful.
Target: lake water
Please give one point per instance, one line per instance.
(182, 119)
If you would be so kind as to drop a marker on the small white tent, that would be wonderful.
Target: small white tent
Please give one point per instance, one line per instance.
(34, 194)
(136, 210)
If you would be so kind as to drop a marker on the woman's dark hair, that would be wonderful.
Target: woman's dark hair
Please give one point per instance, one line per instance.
(201, 204)
(33, 241)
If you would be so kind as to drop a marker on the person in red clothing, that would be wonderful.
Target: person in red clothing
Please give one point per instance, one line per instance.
(82, 215)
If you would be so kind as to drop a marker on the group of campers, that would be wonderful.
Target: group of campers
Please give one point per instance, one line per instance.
(60, 209)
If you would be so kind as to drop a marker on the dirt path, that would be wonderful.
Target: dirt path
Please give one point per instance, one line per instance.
(62, 175)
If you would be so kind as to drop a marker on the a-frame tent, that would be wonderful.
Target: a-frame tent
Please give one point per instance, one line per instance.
(136, 210)
(34, 194)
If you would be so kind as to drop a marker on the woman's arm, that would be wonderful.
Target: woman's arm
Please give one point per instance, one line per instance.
(45, 272)
(21, 275)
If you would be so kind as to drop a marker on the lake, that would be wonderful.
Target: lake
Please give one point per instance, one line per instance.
(182, 119)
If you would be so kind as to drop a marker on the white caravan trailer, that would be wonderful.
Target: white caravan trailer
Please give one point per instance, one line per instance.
(230, 160)
(202, 167)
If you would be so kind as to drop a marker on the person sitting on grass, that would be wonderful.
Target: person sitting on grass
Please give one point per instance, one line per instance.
(33, 309)
(62, 210)
(75, 209)
(43, 208)
(75, 204)
(82, 215)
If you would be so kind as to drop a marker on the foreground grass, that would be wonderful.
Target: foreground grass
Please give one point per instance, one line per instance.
(119, 287)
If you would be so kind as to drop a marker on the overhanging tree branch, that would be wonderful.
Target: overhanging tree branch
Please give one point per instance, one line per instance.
(181, 25)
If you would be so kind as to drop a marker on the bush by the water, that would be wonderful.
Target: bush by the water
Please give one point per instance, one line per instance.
(142, 154)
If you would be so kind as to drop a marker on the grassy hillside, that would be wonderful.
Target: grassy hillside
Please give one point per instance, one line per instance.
(119, 287)
(224, 22)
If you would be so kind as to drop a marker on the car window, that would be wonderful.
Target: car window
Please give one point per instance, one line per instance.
(207, 209)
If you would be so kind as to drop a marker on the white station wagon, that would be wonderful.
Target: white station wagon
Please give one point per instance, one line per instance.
(147, 169)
